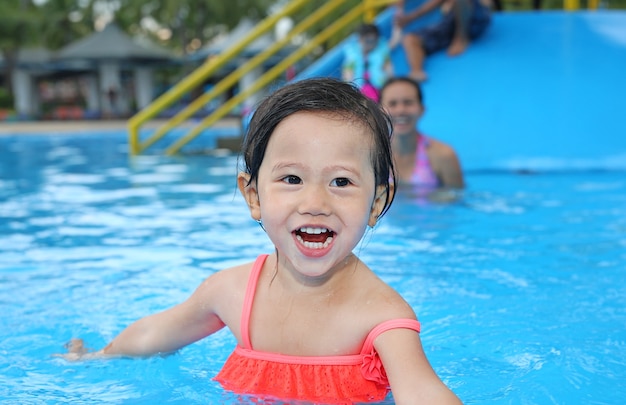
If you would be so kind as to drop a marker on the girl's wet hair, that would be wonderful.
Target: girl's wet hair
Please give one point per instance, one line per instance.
(324, 95)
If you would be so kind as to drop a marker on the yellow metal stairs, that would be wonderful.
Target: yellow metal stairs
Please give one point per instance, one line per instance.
(365, 10)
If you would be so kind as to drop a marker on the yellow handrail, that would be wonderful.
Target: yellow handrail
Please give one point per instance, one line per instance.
(270, 75)
(233, 77)
(571, 4)
(204, 71)
(372, 5)
(364, 9)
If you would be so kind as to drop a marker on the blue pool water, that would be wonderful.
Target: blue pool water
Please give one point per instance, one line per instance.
(519, 284)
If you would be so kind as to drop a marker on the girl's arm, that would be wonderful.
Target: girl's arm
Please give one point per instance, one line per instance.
(411, 377)
(164, 332)
(167, 331)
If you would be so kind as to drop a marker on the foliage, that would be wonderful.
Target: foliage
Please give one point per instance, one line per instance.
(19, 24)
(325, 22)
(6, 100)
(66, 21)
(56, 23)
(190, 23)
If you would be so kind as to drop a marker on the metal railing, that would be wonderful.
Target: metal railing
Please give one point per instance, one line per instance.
(366, 10)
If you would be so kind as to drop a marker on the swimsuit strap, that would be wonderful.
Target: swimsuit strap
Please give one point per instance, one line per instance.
(422, 156)
(384, 327)
(423, 173)
(247, 301)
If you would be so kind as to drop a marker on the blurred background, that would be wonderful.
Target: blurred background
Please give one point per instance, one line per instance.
(546, 73)
(40, 44)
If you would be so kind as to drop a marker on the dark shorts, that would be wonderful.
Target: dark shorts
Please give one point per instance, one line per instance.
(439, 36)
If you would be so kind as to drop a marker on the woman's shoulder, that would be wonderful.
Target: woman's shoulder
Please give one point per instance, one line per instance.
(440, 149)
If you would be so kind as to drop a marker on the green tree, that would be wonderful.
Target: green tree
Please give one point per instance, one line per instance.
(50, 24)
(66, 21)
(310, 7)
(192, 23)
(19, 24)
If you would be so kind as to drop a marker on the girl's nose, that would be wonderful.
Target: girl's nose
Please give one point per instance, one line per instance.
(315, 200)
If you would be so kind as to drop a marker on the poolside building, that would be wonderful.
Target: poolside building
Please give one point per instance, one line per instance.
(112, 71)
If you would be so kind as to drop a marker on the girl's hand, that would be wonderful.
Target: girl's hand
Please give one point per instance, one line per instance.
(76, 351)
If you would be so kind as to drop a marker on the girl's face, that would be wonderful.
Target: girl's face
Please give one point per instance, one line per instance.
(368, 42)
(315, 191)
(401, 102)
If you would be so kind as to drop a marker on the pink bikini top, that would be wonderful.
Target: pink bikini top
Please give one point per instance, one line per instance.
(423, 174)
(331, 379)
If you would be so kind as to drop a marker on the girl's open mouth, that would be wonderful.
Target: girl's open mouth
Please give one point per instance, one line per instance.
(314, 238)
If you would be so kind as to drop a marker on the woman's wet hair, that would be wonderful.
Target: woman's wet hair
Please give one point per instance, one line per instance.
(324, 95)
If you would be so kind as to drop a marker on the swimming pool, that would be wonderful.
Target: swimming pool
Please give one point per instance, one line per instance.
(519, 285)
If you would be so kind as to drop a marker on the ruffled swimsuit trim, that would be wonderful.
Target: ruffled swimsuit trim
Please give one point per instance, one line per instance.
(344, 360)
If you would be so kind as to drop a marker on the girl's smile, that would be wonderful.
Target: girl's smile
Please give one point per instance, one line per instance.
(314, 241)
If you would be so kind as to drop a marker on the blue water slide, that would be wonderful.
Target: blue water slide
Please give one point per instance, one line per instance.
(540, 90)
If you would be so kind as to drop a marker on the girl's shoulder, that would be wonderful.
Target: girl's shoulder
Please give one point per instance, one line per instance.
(231, 277)
(224, 292)
(225, 285)
(382, 302)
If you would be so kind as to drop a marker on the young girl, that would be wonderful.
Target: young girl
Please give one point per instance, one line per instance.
(312, 321)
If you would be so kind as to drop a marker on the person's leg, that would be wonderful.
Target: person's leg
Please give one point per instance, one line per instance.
(415, 54)
(480, 20)
(462, 10)
(426, 41)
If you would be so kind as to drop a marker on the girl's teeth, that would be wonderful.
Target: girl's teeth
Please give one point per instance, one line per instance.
(315, 245)
(313, 231)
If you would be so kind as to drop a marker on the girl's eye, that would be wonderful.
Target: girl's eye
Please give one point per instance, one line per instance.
(340, 182)
(292, 179)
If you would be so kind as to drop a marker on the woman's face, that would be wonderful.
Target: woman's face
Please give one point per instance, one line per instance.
(400, 100)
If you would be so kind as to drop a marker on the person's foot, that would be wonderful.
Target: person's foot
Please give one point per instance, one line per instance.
(418, 75)
(457, 46)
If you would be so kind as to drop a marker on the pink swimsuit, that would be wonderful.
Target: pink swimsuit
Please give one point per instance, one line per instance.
(423, 174)
(329, 379)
